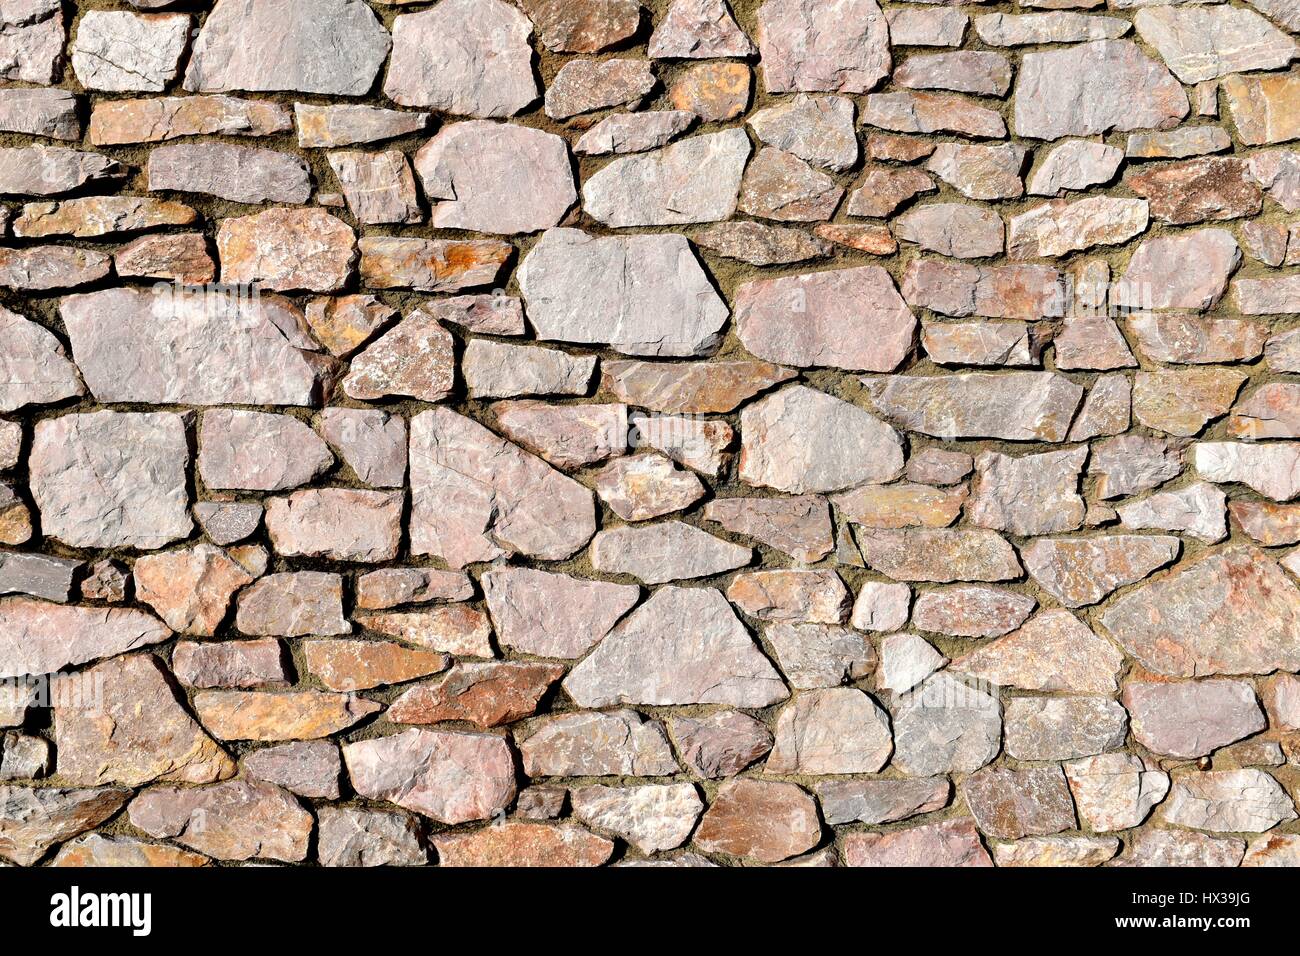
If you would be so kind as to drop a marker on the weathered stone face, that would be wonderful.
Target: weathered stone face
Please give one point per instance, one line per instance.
(684, 645)
(673, 433)
(1242, 606)
(112, 479)
(1094, 88)
(662, 304)
(332, 47)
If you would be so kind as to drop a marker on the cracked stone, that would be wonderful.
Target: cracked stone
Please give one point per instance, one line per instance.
(32, 820)
(634, 132)
(389, 587)
(614, 743)
(235, 820)
(287, 249)
(820, 655)
(140, 733)
(980, 172)
(694, 180)
(231, 664)
(293, 604)
(807, 46)
(1197, 510)
(881, 801)
(1030, 494)
(971, 611)
(1228, 801)
(698, 29)
(733, 824)
(1114, 791)
(190, 588)
(801, 440)
(583, 86)
(652, 818)
(1064, 226)
(663, 304)
(583, 26)
(882, 190)
(907, 112)
(112, 479)
(371, 442)
(414, 358)
(308, 46)
(515, 843)
(452, 777)
(949, 843)
(1093, 88)
(1017, 406)
(1062, 728)
(1010, 804)
(779, 185)
(354, 837)
(476, 497)
(343, 665)
(496, 178)
(945, 726)
(485, 694)
(431, 265)
(122, 52)
(275, 715)
(1076, 164)
(1203, 43)
(259, 451)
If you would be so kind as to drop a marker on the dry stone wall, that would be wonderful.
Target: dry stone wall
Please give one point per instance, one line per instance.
(649, 433)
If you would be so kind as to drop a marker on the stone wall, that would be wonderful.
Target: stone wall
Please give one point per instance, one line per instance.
(649, 433)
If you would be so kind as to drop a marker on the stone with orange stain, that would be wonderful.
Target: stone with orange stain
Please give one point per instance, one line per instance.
(269, 715)
(138, 733)
(95, 849)
(180, 257)
(802, 596)
(287, 249)
(431, 265)
(738, 823)
(345, 665)
(715, 92)
(454, 629)
(484, 693)
(870, 238)
(690, 387)
(901, 505)
(190, 588)
(1232, 611)
(516, 843)
(1266, 108)
(122, 122)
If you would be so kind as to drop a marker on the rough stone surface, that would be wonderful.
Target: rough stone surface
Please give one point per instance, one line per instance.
(1243, 606)
(465, 167)
(683, 646)
(1192, 718)
(837, 429)
(332, 47)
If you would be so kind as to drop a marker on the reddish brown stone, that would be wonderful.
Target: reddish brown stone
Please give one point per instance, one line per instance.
(486, 694)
